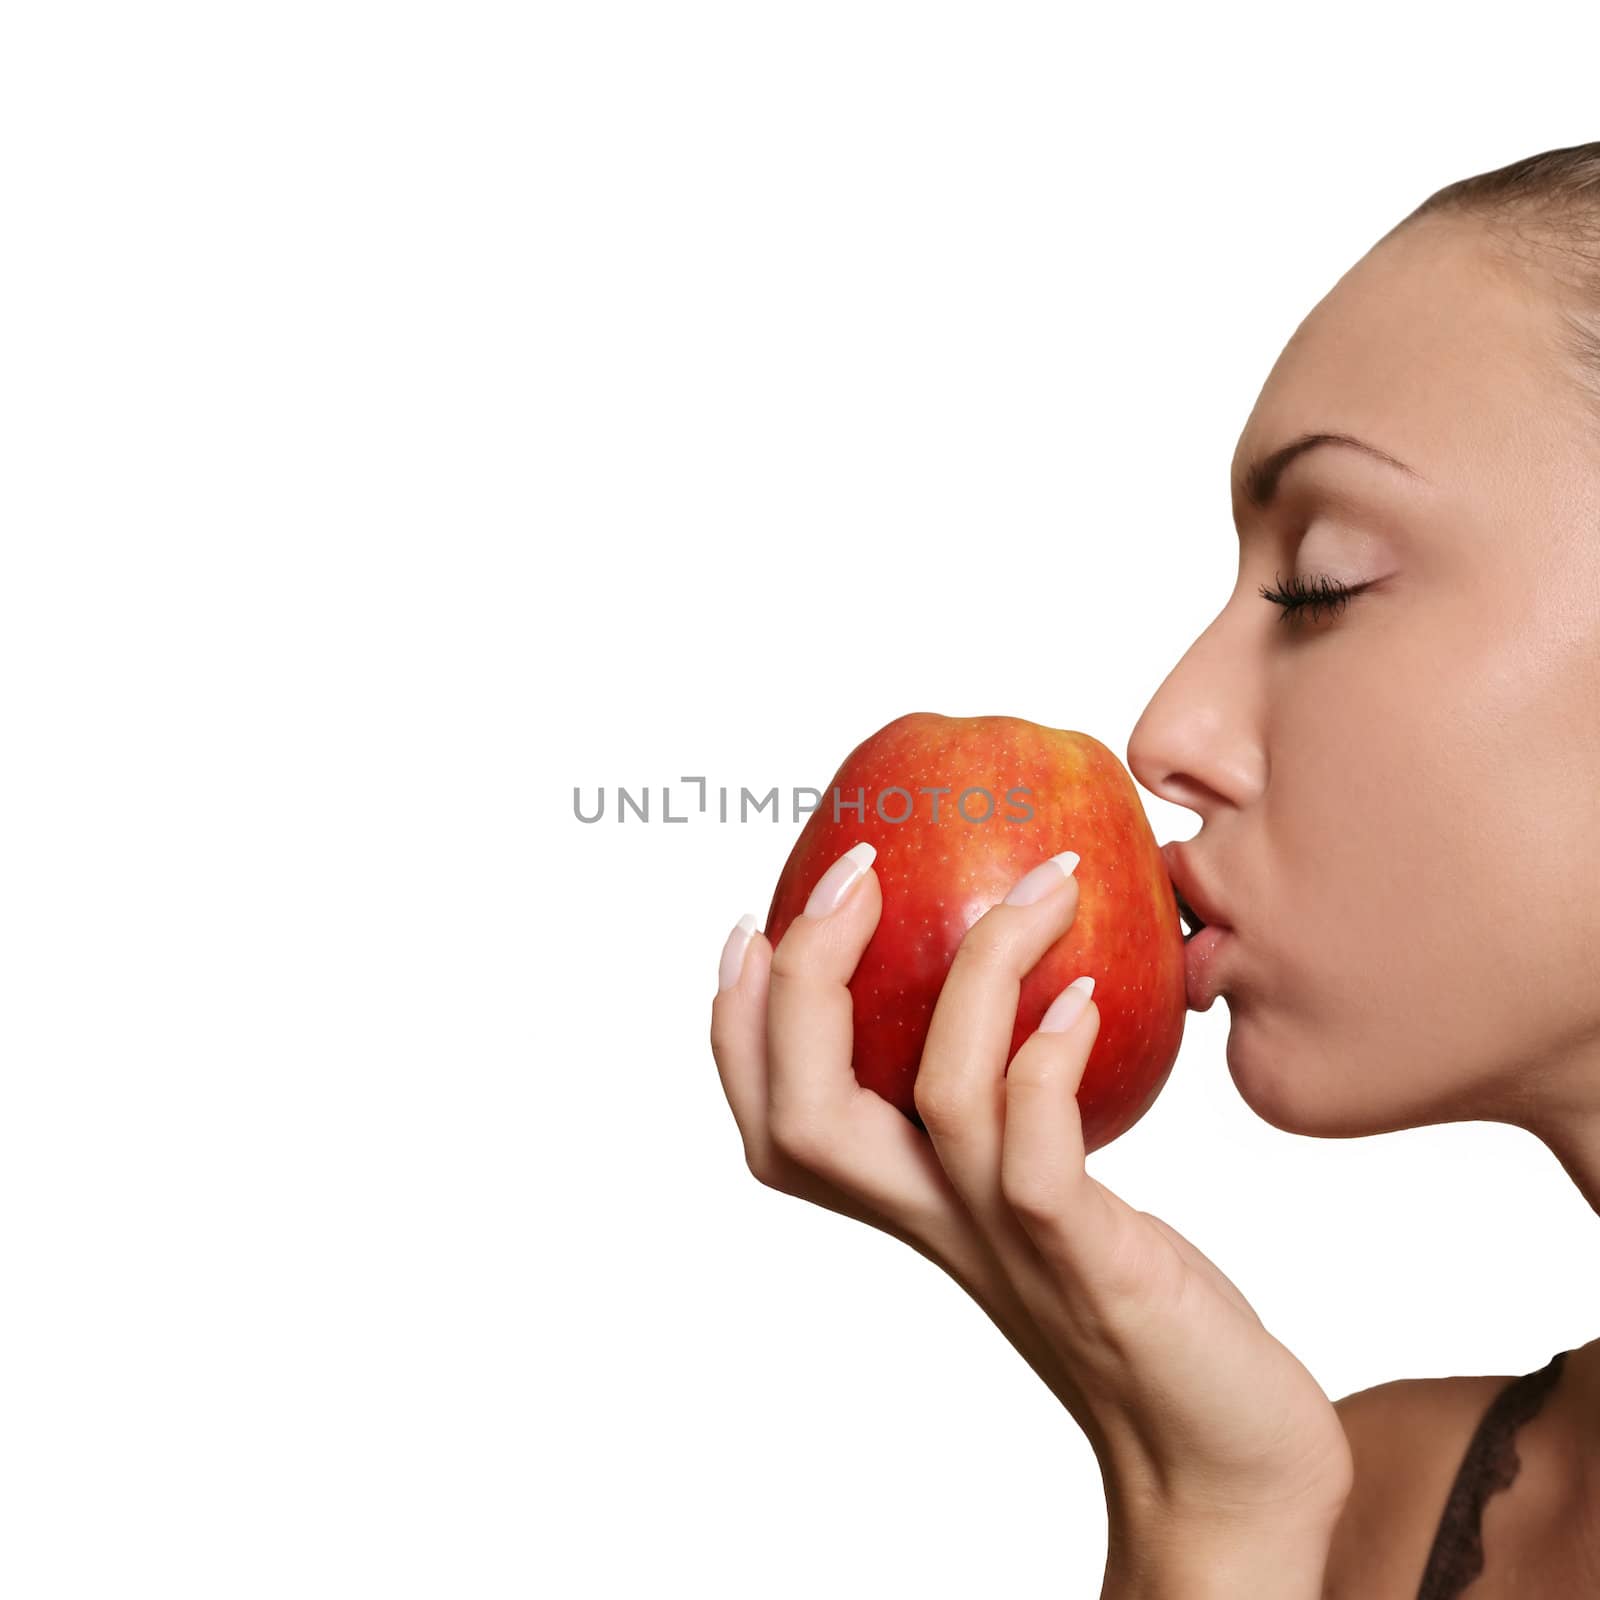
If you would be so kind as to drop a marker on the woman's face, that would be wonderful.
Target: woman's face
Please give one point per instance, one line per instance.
(1400, 802)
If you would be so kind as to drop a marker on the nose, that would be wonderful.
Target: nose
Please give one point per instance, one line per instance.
(1198, 742)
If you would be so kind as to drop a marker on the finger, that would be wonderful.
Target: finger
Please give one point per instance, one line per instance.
(739, 1036)
(818, 1115)
(739, 1046)
(810, 1011)
(1064, 1211)
(960, 1087)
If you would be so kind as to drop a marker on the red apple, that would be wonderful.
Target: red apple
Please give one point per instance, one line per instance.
(1010, 795)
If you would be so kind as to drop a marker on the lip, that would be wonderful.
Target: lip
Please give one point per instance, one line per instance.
(1193, 891)
(1200, 979)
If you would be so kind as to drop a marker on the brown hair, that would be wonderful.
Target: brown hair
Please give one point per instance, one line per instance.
(1544, 211)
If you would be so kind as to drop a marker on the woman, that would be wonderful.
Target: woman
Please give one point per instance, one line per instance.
(1391, 735)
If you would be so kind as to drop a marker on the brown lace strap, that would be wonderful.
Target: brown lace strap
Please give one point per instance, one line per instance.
(1490, 1464)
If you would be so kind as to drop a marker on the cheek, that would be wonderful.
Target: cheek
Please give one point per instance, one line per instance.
(1433, 855)
(1530, 805)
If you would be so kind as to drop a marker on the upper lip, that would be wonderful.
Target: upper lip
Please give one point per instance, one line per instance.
(1192, 892)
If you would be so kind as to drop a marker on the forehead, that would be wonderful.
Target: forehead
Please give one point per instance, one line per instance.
(1435, 347)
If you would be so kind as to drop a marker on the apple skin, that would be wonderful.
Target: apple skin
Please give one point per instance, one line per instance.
(938, 878)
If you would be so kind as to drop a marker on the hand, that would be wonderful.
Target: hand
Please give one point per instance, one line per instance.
(1193, 1409)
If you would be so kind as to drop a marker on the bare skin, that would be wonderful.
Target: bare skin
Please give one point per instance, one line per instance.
(1215, 1443)
(1400, 802)
(1398, 810)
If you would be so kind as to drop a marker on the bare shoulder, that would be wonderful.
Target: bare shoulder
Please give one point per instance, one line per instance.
(1407, 1437)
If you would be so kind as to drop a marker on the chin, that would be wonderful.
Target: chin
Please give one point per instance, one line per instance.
(1305, 1092)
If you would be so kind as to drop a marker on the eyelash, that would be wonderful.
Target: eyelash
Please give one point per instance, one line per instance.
(1315, 593)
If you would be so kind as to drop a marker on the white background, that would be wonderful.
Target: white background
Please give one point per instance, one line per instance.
(412, 412)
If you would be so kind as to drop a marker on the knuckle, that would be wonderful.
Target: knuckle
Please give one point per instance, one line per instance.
(798, 1135)
(990, 945)
(1034, 1197)
(938, 1102)
(1030, 1072)
(724, 1037)
(763, 1170)
(790, 956)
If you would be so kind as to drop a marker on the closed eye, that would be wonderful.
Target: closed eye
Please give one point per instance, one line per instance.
(1311, 595)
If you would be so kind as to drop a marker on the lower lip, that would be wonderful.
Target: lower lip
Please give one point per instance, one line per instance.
(1200, 966)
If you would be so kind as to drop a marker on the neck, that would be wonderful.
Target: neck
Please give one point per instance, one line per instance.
(1571, 1132)
(1573, 1138)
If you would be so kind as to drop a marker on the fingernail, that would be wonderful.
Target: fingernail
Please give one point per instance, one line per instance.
(733, 952)
(1067, 1006)
(834, 884)
(1046, 877)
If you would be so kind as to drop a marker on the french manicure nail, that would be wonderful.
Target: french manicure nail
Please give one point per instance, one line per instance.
(732, 963)
(1067, 1006)
(1046, 877)
(834, 884)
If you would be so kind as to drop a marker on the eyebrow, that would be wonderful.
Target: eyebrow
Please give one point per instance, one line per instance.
(1261, 481)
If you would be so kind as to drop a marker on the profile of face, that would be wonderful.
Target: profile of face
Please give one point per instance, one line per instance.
(1400, 797)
